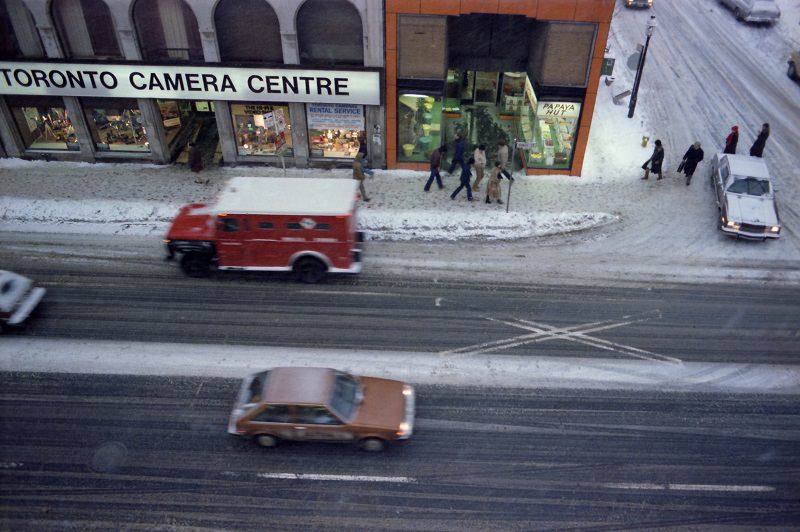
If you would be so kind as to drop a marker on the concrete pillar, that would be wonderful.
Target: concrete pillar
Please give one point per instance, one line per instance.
(11, 140)
(299, 134)
(154, 125)
(222, 112)
(78, 121)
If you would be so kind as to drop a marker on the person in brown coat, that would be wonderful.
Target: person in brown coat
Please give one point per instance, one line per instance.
(196, 162)
(358, 175)
(493, 188)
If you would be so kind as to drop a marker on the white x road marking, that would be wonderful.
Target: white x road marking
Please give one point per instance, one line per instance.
(541, 332)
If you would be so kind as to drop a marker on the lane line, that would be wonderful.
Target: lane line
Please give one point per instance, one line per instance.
(340, 478)
(687, 487)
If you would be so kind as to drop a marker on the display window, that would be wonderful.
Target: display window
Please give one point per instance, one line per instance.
(176, 115)
(512, 99)
(116, 124)
(43, 123)
(262, 129)
(419, 126)
(553, 134)
(335, 130)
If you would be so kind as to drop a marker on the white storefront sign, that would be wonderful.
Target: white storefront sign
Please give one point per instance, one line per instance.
(189, 82)
(335, 116)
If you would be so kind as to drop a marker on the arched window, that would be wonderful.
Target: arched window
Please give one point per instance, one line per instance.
(329, 32)
(18, 34)
(167, 30)
(231, 16)
(86, 28)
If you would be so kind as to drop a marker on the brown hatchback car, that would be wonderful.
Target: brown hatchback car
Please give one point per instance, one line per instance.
(321, 404)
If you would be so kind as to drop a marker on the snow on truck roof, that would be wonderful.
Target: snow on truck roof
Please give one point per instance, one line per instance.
(287, 195)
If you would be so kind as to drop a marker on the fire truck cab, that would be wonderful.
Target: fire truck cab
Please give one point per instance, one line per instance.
(304, 225)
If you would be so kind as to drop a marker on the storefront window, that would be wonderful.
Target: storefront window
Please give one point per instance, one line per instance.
(116, 125)
(419, 119)
(262, 129)
(554, 128)
(335, 130)
(43, 123)
(176, 115)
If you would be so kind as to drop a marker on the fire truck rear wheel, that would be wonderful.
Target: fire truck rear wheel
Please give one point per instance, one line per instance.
(309, 270)
(196, 264)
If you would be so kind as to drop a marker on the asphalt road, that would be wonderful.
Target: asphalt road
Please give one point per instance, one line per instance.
(93, 452)
(119, 294)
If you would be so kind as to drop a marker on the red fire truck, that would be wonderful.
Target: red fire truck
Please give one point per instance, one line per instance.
(304, 225)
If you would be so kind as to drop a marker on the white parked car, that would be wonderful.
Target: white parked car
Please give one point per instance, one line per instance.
(18, 298)
(754, 10)
(638, 3)
(745, 197)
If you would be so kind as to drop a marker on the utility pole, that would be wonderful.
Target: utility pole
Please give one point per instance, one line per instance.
(651, 28)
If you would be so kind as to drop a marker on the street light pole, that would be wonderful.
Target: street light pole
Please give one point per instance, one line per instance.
(651, 28)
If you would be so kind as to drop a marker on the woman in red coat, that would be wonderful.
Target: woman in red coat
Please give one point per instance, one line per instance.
(732, 140)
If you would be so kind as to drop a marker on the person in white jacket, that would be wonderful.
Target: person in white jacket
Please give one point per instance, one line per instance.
(480, 164)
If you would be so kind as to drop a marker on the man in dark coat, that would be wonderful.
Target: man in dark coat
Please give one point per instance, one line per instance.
(654, 161)
(458, 156)
(196, 162)
(758, 146)
(436, 162)
(691, 159)
(466, 177)
(732, 140)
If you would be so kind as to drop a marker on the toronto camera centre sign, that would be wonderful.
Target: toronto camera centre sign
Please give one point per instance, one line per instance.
(189, 82)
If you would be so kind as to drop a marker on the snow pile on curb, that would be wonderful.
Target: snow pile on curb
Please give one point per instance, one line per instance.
(145, 218)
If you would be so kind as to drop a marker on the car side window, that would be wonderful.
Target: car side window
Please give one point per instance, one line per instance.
(265, 225)
(315, 415)
(273, 414)
(723, 172)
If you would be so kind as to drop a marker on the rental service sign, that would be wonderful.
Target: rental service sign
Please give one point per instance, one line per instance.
(190, 82)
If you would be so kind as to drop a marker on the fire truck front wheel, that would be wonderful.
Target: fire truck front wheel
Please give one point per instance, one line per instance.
(309, 270)
(196, 264)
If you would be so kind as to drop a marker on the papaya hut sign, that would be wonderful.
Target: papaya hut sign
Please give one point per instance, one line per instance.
(190, 82)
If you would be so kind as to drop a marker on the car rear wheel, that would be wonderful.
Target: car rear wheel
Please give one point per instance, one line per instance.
(309, 270)
(373, 445)
(196, 264)
(265, 440)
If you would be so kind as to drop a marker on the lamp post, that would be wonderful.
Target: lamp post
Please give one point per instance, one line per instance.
(651, 28)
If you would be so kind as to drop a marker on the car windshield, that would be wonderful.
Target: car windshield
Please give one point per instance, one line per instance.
(750, 186)
(346, 395)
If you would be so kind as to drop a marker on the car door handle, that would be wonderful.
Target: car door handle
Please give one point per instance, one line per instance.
(300, 428)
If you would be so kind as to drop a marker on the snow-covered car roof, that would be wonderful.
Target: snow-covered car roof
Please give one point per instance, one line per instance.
(747, 166)
(287, 195)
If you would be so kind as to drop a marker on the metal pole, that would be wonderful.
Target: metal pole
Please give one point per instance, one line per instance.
(640, 68)
(511, 172)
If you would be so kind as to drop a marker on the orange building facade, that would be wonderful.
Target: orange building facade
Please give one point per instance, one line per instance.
(522, 72)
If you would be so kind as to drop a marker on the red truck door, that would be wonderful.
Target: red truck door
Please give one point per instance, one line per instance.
(231, 235)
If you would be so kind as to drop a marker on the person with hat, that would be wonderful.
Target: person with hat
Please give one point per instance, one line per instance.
(653, 164)
(732, 140)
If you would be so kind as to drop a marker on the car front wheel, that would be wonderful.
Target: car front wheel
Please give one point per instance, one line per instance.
(265, 440)
(373, 445)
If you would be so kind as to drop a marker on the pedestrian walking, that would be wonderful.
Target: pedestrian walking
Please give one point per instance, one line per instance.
(732, 140)
(480, 165)
(757, 150)
(655, 161)
(458, 155)
(493, 187)
(195, 162)
(358, 175)
(436, 162)
(691, 159)
(466, 176)
(502, 153)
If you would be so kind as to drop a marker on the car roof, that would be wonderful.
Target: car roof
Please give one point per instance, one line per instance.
(747, 166)
(287, 195)
(299, 385)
